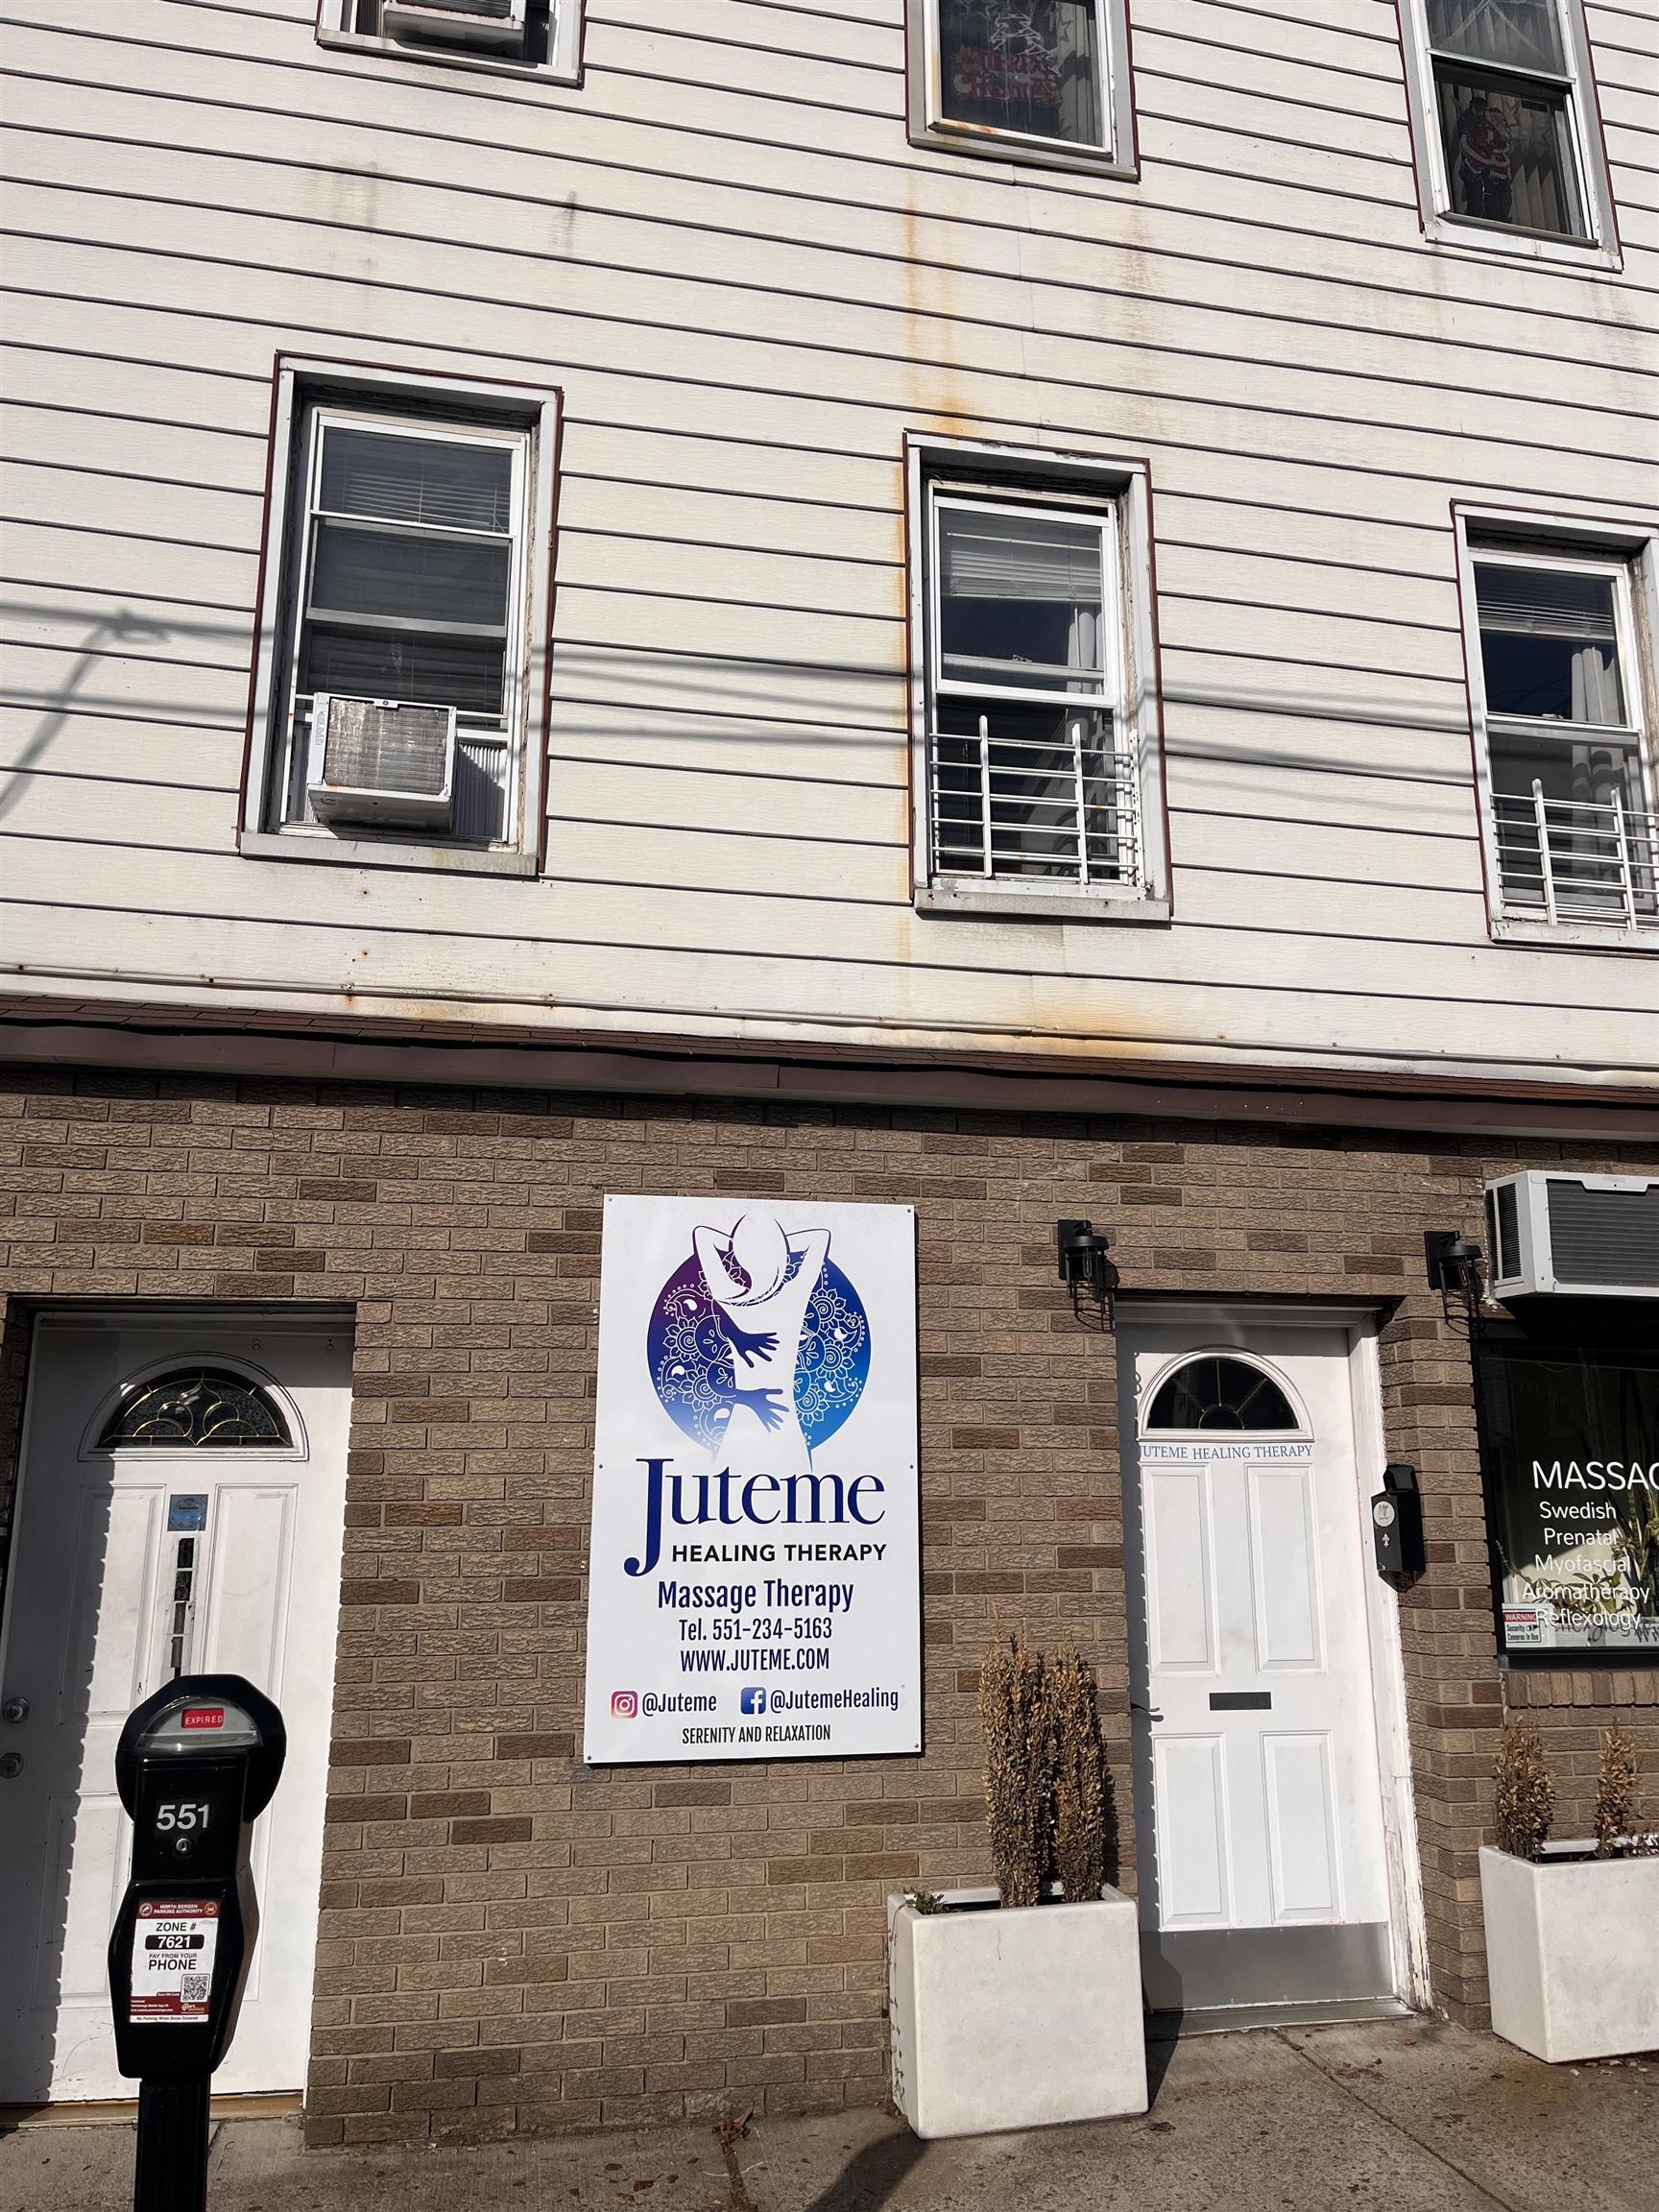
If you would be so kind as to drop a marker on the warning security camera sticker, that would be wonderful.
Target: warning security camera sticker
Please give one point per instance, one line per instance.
(173, 1946)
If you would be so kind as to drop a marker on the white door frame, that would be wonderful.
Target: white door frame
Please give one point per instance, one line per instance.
(1243, 1324)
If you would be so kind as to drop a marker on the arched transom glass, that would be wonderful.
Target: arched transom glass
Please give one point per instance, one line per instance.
(1216, 1392)
(193, 1407)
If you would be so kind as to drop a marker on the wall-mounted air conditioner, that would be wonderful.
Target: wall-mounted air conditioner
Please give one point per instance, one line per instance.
(1586, 1236)
(492, 26)
(381, 763)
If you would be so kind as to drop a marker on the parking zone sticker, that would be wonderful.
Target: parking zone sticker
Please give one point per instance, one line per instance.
(173, 1946)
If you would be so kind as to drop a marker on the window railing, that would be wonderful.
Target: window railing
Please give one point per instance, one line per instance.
(1057, 810)
(1577, 861)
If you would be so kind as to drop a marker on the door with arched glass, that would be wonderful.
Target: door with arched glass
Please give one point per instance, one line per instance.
(180, 1510)
(1255, 1743)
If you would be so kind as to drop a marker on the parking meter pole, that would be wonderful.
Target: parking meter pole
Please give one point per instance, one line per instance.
(171, 2172)
(196, 1765)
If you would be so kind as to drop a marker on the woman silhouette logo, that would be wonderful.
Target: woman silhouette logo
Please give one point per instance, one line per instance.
(758, 1345)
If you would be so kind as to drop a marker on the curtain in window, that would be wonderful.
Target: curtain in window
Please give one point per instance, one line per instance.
(1524, 34)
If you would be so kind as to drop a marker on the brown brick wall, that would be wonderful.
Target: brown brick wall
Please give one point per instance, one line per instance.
(511, 1940)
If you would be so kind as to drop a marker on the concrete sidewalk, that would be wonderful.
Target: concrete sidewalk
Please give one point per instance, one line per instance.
(1411, 2115)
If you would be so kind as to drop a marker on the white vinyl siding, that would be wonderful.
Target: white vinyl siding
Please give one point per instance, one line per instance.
(1563, 734)
(748, 304)
(1508, 140)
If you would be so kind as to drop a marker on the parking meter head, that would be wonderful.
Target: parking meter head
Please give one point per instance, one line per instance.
(205, 1717)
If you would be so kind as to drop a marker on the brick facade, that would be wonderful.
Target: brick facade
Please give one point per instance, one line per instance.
(509, 1939)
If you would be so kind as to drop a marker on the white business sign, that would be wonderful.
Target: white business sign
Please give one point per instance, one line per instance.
(754, 1585)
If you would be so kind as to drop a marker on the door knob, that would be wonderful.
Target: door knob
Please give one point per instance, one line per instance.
(1151, 1713)
(10, 1765)
(15, 1710)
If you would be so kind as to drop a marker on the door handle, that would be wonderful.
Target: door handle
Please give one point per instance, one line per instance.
(1151, 1712)
(16, 1710)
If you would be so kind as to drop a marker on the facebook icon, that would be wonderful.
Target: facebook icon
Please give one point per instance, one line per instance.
(752, 1701)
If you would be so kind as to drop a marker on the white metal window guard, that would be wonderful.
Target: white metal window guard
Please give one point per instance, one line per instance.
(1577, 861)
(1002, 808)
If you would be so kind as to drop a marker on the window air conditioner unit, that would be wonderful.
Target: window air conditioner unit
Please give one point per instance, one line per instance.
(492, 26)
(1584, 1235)
(381, 762)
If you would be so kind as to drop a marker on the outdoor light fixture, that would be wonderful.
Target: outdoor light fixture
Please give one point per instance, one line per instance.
(1396, 1525)
(1084, 1268)
(1454, 1266)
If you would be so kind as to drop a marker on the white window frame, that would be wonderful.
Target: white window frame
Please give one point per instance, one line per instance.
(930, 125)
(428, 406)
(1118, 493)
(562, 65)
(1500, 537)
(1441, 225)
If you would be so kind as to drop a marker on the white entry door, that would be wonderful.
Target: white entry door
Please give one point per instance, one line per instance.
(180, 1510)
(1256, 1736)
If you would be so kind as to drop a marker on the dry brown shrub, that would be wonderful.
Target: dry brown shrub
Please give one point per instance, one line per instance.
(1018, 1766)
(1525, 1796)
(1615, 1791)
(1082, 1786)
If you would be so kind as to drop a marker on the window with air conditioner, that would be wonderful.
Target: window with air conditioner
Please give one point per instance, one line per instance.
(1038, 755)
(1509, 142)
(401, 673)
(1560, 674)
(537, 37)
(1044, 81)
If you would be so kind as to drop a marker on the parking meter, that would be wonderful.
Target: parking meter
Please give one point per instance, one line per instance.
(196, 1765)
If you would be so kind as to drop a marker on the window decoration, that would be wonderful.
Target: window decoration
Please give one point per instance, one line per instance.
(1503, 85)
(196, 1408)
(1042, 80)
(1216, 1392)
(1562, 702)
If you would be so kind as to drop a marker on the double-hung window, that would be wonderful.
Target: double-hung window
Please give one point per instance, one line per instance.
(1563, 730)
(529, 38)
(398, 695)
(1036, 718)
(1509, 141)
(1036, 79)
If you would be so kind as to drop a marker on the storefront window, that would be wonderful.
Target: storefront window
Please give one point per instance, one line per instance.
(1570, 1445)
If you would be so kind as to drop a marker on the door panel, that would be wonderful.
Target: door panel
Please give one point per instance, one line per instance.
(106, 1600)
(1255, 1763)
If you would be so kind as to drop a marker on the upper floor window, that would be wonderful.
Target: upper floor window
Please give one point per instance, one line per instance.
(1507, 135)
(541, 37)
(1037, 743)
(1039, 80)
(1563, 725)
(399, 689)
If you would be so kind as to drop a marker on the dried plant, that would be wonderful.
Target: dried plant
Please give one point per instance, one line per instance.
(1615, 1791)
(1018, 1766)
(1082, 1788)
(1525, 1796)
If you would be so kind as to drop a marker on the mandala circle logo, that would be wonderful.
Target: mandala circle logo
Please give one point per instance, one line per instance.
(691, 1360)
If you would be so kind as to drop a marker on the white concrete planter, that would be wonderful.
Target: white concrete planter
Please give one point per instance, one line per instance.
(1015, 2019)
(1573, 1954)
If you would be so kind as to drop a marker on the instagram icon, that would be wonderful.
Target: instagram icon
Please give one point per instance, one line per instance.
(625, 1705)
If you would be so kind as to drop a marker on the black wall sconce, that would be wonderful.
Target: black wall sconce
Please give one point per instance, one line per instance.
(1454, 1266)
(1086, 1269)
(1396, 1525)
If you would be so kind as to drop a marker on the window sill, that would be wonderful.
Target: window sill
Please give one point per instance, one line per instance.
(1011, 906)
(1004, 146)
(482, 64)
(385, 853)
(1577, 936)
(1472, 237)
